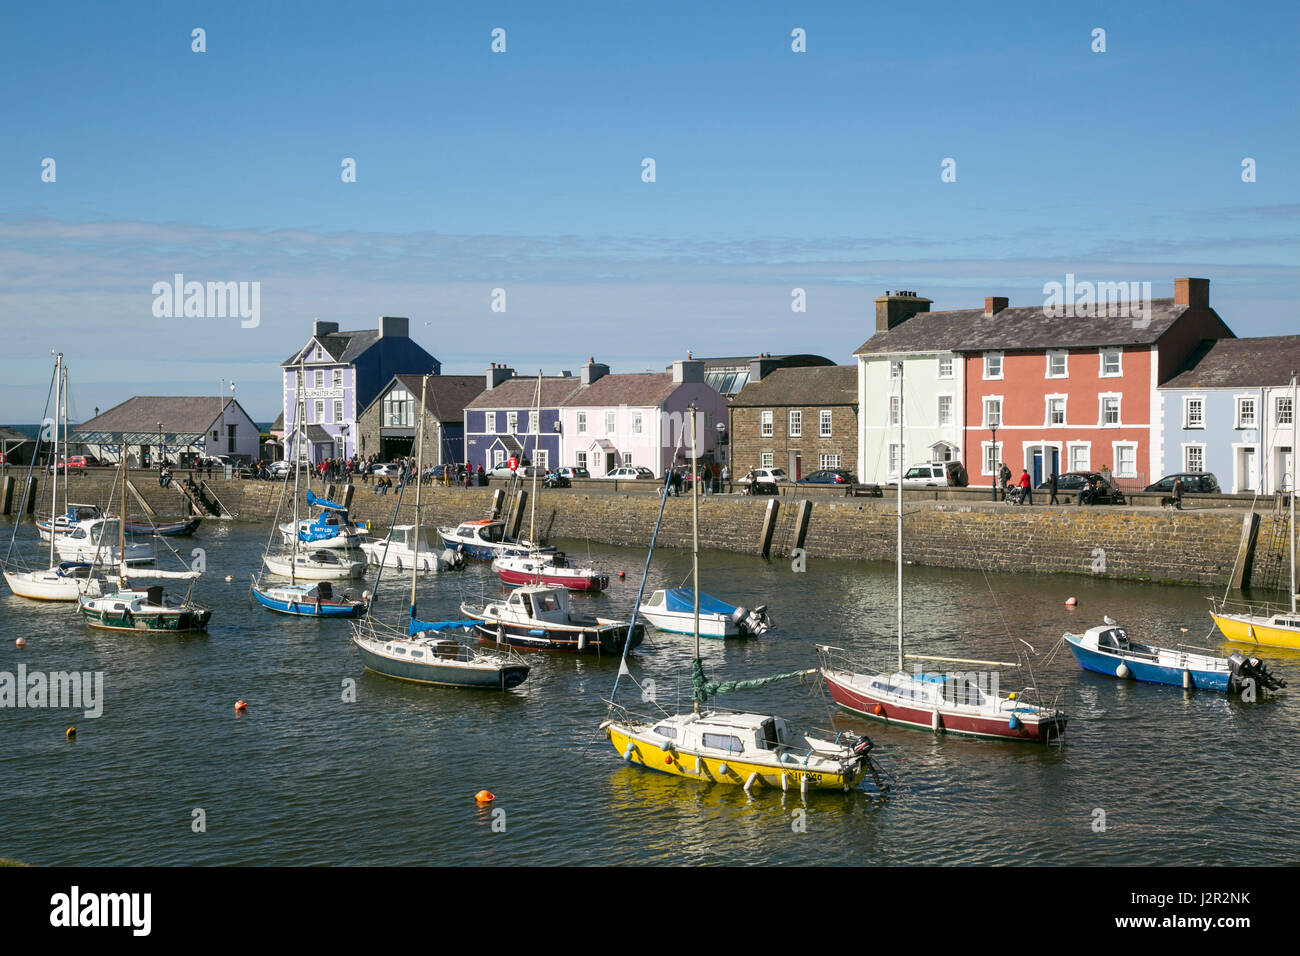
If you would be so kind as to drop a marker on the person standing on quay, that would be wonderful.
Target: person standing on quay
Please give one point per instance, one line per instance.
(1026, 488)
(1004, 479)
(1054, 487)
(1177, 492)
(725, 479)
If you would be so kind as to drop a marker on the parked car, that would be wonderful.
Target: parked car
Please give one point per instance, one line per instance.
(1194, 483)
(829, 476)
(74, 463)
(525, 470)
(572, 472)
(385, 470)
(627, 473)
(764, 476)
(935, 474)
(1072, 482)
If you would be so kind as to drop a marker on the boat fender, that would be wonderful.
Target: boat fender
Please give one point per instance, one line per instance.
(722, 770)
(1013, 723)
(1122, 671)
(699, 765)
(628, 751)
(935, 722)
(878, 710)
(668, 759)
(750, 782)
(785, 785)
(666, 746)
(803, 784)
(1187, 680)
(582, 641)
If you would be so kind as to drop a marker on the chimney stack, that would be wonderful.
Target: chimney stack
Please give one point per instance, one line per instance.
(392, 326)
(994, 304)
(1192, 293)
(688, 370)
(497, 374)
(324, 328)
(593, 370)
(891, 309)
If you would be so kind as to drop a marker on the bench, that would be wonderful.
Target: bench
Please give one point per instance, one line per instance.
(863, 490)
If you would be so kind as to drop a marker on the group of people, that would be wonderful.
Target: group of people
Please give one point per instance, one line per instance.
(677, 477)
(1090, 491)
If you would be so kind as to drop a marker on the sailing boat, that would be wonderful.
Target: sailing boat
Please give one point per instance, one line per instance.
(128, 608)
(955, 703)
(742, 749)
(547, 567)
(61, 580)
(323, 566)
(1272, 628)
(415, 655)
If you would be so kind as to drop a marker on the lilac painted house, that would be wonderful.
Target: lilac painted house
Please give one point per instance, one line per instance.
(344, 373)
(499, 422)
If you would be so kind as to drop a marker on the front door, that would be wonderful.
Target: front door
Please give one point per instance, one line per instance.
(1247, 470)
(611, 461)
(795, 465)
(1053, 464)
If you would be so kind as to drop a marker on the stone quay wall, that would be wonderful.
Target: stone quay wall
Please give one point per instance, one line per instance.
(1198, 546)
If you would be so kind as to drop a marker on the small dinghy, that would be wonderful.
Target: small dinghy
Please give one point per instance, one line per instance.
(673, 610)
(1107, 649)
(169, 529)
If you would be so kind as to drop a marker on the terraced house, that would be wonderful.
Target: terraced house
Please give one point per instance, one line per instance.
(503, 421)
(799, 419)
(1230, 410)
(1036, 390)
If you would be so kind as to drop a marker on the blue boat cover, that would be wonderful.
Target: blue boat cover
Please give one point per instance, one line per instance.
(682, 600)
(323, 502)
(417, 626)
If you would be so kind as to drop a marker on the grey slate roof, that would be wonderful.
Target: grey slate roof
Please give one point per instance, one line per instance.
(446, 396)
(520, 392)
(343, 347)
(969, 330)
(179, 414)
(817, 385)
(638, 389)
(1239, 363)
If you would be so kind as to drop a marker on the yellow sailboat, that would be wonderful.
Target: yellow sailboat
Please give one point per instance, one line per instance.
(721, 747)
(1267, 627)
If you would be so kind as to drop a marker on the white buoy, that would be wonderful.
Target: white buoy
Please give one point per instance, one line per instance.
(750, 782)
(934, 720)
(582, 641)
(627, 754)
(803, 785)
(230, 577)
(699, 766)
(1122, 671)
(722, 770)
(784, 785)
(666, 746)
(1187, 680)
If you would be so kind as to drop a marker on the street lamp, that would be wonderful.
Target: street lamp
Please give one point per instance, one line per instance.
(993, 427)
(162, 457)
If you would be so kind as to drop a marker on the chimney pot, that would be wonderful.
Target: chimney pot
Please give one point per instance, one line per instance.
(893, 309)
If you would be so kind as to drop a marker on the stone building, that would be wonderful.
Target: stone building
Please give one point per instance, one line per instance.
(799, 419)
(388, 426)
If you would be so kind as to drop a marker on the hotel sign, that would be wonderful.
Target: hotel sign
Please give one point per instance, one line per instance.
(314, 393)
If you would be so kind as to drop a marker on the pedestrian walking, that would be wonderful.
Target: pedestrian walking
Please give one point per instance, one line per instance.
(1026, 488)
(1055, 484)
(1177, 492)
(1004, 479)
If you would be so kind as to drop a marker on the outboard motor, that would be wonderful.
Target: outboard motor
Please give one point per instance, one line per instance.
(1251, 672)
(451, 560)
(753, 622)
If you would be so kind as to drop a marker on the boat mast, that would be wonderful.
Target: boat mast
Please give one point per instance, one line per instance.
(537, 441)
(299, 413)
(695, 544)
(419, 471)
(54, 483)
(1293, 473)
(66, 446)
(900, 516)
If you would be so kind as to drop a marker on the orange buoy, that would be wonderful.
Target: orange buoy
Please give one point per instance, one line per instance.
(240, 706)
(485, 796)
(622, 574)
(1071, 602)
(878, 710)
(21, 642)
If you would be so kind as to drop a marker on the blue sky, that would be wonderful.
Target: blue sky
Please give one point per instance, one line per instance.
(522, 170)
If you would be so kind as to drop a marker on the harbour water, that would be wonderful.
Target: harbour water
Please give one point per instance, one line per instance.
(307, 777)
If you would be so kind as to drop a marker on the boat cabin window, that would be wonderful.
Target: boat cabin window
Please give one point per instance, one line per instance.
(961, 690)
(417, 653)
(492, 532)
(547, 602)
(656, 599)
(1286, 622)
(724, 742)
(663, 730)
(1116, 639)
(770, 737)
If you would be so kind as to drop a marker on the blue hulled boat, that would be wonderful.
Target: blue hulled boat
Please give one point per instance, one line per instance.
(1107, 649)
(311, 600)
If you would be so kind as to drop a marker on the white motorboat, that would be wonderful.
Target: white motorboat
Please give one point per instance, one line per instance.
(398, 550)
(673, 610)
(98, 541)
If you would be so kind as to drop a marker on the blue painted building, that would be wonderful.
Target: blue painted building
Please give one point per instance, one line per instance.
(344, 372)
(499, 423)
(1230, 410)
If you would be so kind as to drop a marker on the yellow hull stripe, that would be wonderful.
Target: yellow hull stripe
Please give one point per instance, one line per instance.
(1247, 632)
